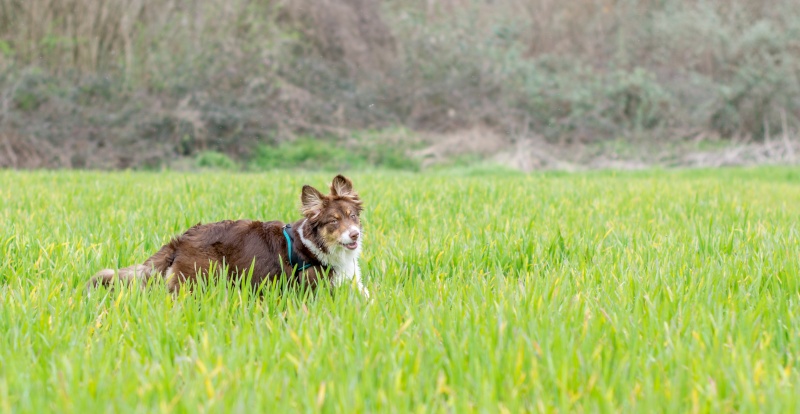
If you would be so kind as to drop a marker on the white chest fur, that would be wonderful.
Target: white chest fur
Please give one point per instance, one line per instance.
(343, 262)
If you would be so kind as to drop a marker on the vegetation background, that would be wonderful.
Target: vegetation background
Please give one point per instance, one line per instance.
(402, 83)
(495, 291)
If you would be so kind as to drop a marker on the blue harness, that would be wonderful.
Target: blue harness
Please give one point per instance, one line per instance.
(301, 265)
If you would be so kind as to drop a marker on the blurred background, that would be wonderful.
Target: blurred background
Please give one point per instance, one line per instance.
(406, 84)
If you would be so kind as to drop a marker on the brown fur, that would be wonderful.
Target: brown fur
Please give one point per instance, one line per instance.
(242, 244)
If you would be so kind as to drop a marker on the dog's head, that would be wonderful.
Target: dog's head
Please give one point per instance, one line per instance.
(334, 218)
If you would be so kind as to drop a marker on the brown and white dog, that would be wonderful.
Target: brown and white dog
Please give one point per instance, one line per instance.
(326, 243)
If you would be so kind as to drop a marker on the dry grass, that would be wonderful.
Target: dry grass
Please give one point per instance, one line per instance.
(230, 75)
(142, 38)
(81, 34)
(351, 32)
(97, 36)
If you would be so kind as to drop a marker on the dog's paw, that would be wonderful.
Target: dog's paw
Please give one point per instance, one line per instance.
(364, 292)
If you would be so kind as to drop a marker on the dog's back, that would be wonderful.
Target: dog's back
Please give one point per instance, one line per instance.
(325, 243)
(236, 245)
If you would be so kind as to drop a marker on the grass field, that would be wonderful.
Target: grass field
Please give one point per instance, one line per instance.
(494, 292)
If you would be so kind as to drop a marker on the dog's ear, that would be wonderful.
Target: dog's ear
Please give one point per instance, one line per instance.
(342, 187)
(312, 201)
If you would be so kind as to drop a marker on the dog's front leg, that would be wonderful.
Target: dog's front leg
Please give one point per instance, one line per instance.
(359, 284)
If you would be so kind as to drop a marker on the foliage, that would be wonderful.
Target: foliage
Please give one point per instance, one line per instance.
(306, 154)
(320, 154)
(241, 74)
(215, 160)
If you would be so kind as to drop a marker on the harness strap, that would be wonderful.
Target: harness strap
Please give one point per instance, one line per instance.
(301, 265)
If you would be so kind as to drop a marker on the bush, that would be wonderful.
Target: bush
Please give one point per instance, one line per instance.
(215, 160)
(315, 154)
(305, 153)
(128, 86)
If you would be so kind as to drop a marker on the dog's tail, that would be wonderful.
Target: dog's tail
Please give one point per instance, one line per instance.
(128, 275)
(140, 274)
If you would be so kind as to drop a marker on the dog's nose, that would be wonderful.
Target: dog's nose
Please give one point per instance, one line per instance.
(354, 235)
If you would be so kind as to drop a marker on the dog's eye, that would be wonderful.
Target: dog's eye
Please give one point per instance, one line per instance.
(353, 216)
(334, 222)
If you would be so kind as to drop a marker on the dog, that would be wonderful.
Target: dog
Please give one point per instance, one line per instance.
(324, 244)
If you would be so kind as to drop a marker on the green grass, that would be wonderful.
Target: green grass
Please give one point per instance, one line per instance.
(647, 291)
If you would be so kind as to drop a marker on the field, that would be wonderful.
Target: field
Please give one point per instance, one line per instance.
(493, 292)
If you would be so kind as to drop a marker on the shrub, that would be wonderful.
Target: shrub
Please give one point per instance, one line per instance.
(128, 84)
(315, 154)
(305, 153)
(215, 160)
